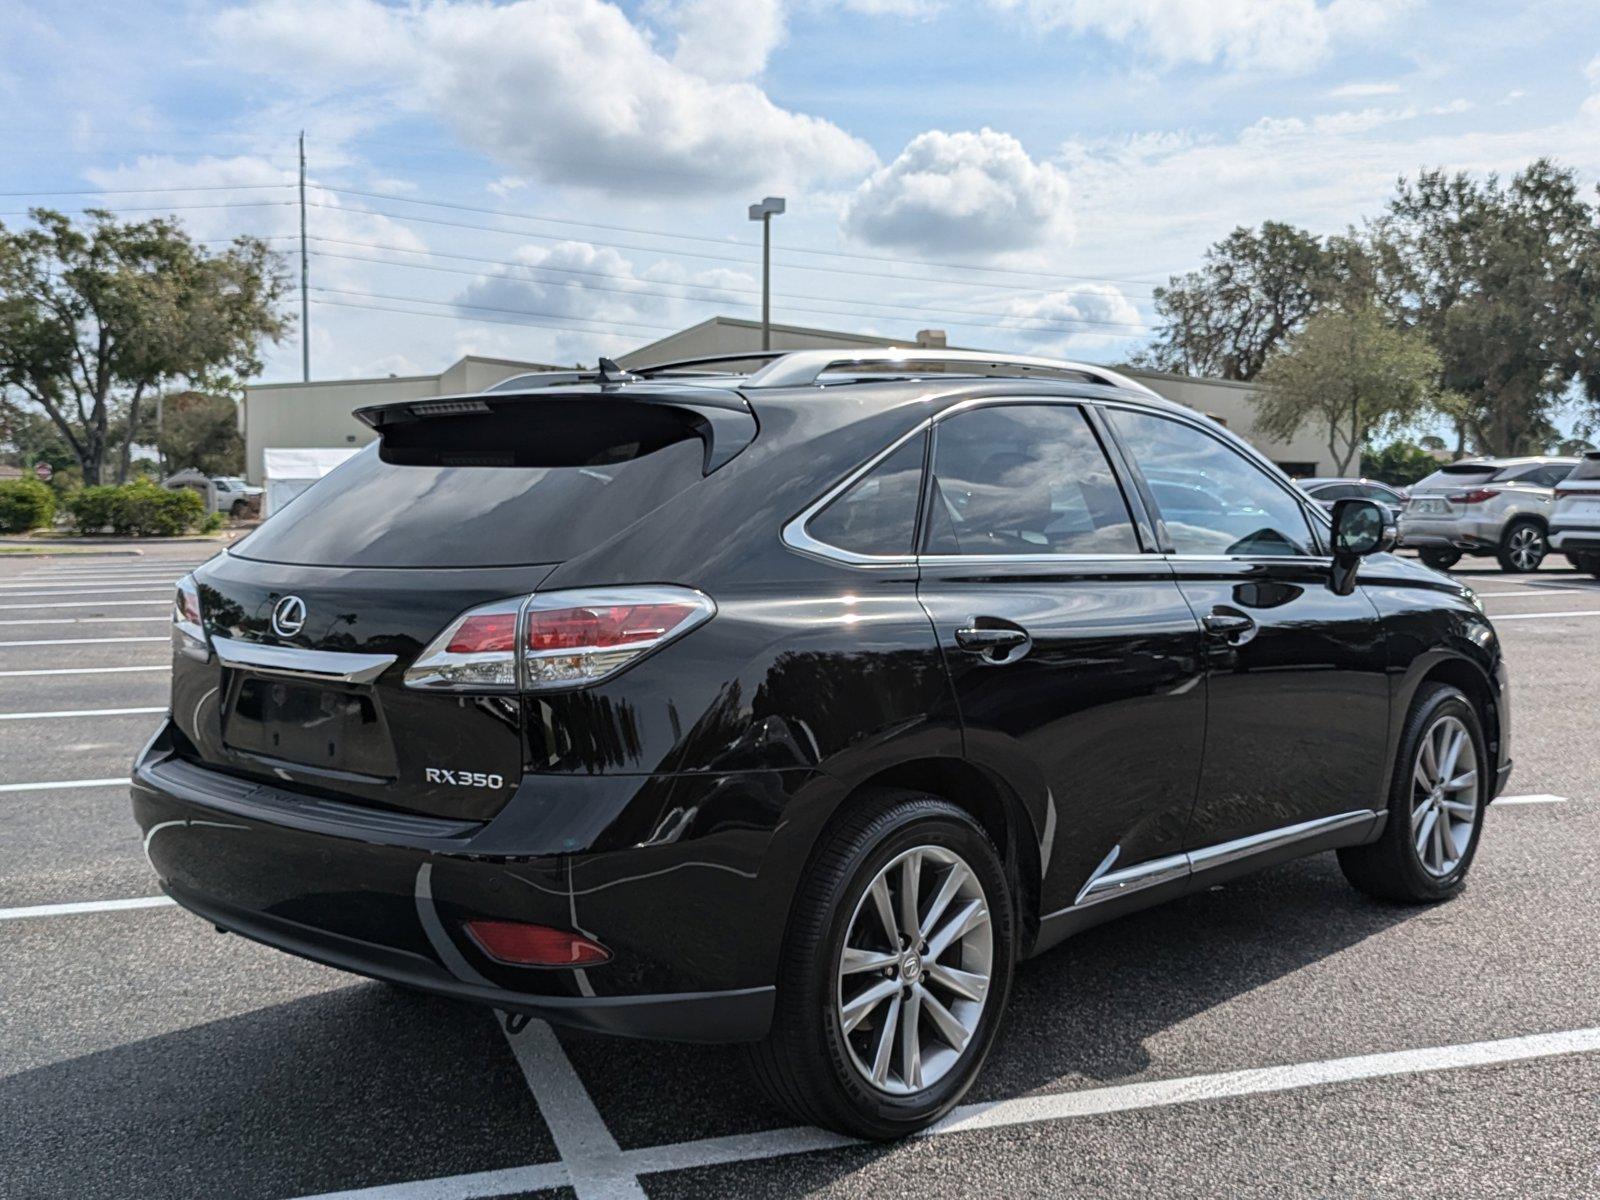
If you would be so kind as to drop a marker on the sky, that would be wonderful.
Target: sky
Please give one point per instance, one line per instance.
(553, 180)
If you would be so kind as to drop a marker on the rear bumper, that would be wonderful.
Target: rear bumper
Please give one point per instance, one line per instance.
(1575, 539)
(387, 895)
(1436, 538)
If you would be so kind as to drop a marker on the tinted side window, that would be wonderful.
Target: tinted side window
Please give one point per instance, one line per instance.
(878, 513)
(1337, 491)
(1212, 500)
(1024, 479)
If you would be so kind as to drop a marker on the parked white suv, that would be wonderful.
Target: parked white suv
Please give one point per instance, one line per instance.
(1486, 506)
(1575, 519)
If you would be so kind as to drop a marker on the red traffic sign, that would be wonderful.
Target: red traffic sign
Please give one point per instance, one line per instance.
(44, 471)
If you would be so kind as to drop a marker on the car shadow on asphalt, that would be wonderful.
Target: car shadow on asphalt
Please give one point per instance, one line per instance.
(352, 1087)
(365, 1085)
(1081, 1015)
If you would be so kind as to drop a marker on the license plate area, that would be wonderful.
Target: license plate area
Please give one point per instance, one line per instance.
(1431, 508)
(318, 726)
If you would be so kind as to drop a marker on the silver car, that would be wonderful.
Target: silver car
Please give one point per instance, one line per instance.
(1483, 507)
(1575, 521)
(1328, 492)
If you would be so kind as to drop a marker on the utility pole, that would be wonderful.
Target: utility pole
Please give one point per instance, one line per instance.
(305, 300)
(764, 212)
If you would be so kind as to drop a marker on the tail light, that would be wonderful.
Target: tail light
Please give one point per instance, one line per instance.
(1475, 496)
(556, 639)
(188, 626)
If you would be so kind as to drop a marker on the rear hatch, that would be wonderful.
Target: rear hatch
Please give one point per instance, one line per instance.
(1578, 496)
(1430, 499)
(449, 512)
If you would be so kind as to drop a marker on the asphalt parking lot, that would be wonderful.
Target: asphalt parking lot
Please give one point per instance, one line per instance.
(1277, 1036)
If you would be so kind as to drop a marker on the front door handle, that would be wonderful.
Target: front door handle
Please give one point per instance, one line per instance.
(1230, 625)
(993, 642)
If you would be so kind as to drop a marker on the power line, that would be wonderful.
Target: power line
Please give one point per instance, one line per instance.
(165, 208)
(849, 254)
(210, 187)
(550, 237)
(519, 312)
(651, 288)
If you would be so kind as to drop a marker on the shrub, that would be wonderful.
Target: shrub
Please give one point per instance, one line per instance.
(213, 522)
(90, 508)
(25, 504)
(141, 507)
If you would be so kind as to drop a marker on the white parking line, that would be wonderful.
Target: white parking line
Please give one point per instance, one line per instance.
(1548, 616)
(58, 785)
(79, 712)
(85, 604)
(1538, 592)
(1530, 800)
(109, 591)
(1026, 1110)
(592, 1157)
(83, 906)
(89, 670)
(84, 620)
(84, 641)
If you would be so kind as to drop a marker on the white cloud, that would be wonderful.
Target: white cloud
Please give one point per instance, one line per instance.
(1096, 314)
(569, 91)
(1279, 35)
(596, 288)
(962, 193)
(726, 39)
(1361, 91)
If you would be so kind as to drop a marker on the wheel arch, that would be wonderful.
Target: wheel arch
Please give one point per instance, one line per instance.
(1471, 680)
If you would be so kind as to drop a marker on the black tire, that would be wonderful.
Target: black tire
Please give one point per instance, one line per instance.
(1391, 868)
(1588, 563)
(1440, 560)
(805, 1063)
(240, 507)
(1523, 539)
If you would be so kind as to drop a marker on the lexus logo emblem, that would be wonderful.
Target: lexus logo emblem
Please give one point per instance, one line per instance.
(288, 616)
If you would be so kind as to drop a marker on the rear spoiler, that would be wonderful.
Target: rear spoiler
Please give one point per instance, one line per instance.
(560, 426)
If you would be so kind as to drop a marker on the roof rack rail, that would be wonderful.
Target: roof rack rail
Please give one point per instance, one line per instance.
(683, 364)
(800, 368)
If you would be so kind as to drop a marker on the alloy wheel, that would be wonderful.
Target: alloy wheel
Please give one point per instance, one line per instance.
(1526, 548)
(914, 974)
(1444, 796)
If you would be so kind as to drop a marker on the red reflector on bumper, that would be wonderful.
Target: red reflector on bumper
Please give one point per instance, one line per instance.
(535, 945)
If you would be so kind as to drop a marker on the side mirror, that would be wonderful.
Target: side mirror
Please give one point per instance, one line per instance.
(1360, 528)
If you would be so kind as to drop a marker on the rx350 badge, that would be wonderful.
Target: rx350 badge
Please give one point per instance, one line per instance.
(476, 779)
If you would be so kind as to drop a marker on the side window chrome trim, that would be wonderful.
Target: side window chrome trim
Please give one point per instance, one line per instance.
(794, 533)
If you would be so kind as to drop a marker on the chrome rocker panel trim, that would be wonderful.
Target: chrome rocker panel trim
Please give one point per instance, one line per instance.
(1109, 893)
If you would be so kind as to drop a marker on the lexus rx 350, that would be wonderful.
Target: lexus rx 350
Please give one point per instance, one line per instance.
(794, 706)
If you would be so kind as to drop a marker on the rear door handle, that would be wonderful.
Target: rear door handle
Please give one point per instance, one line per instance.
(996, 642)
(1233, 627)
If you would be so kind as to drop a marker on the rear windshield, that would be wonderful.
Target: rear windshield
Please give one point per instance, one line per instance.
(1588, 468)
(1457, 475)
(370, 513)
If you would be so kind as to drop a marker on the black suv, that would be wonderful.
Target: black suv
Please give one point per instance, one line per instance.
(796, 705)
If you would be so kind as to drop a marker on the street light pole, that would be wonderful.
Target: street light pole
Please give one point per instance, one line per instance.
(764, 212)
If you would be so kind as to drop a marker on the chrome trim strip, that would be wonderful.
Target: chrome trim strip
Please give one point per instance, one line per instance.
(1134, 879)
(328, 665)
(1258, 843)
(794, 533)
(1105, 884)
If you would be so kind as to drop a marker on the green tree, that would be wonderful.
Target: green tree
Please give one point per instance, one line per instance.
(201, 431)
(1254, 291)
(1349, 375)
(1504, 278)
(1400, 463)
(93, 319)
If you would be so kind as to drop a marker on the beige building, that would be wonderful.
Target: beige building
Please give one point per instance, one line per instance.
(317, 414)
